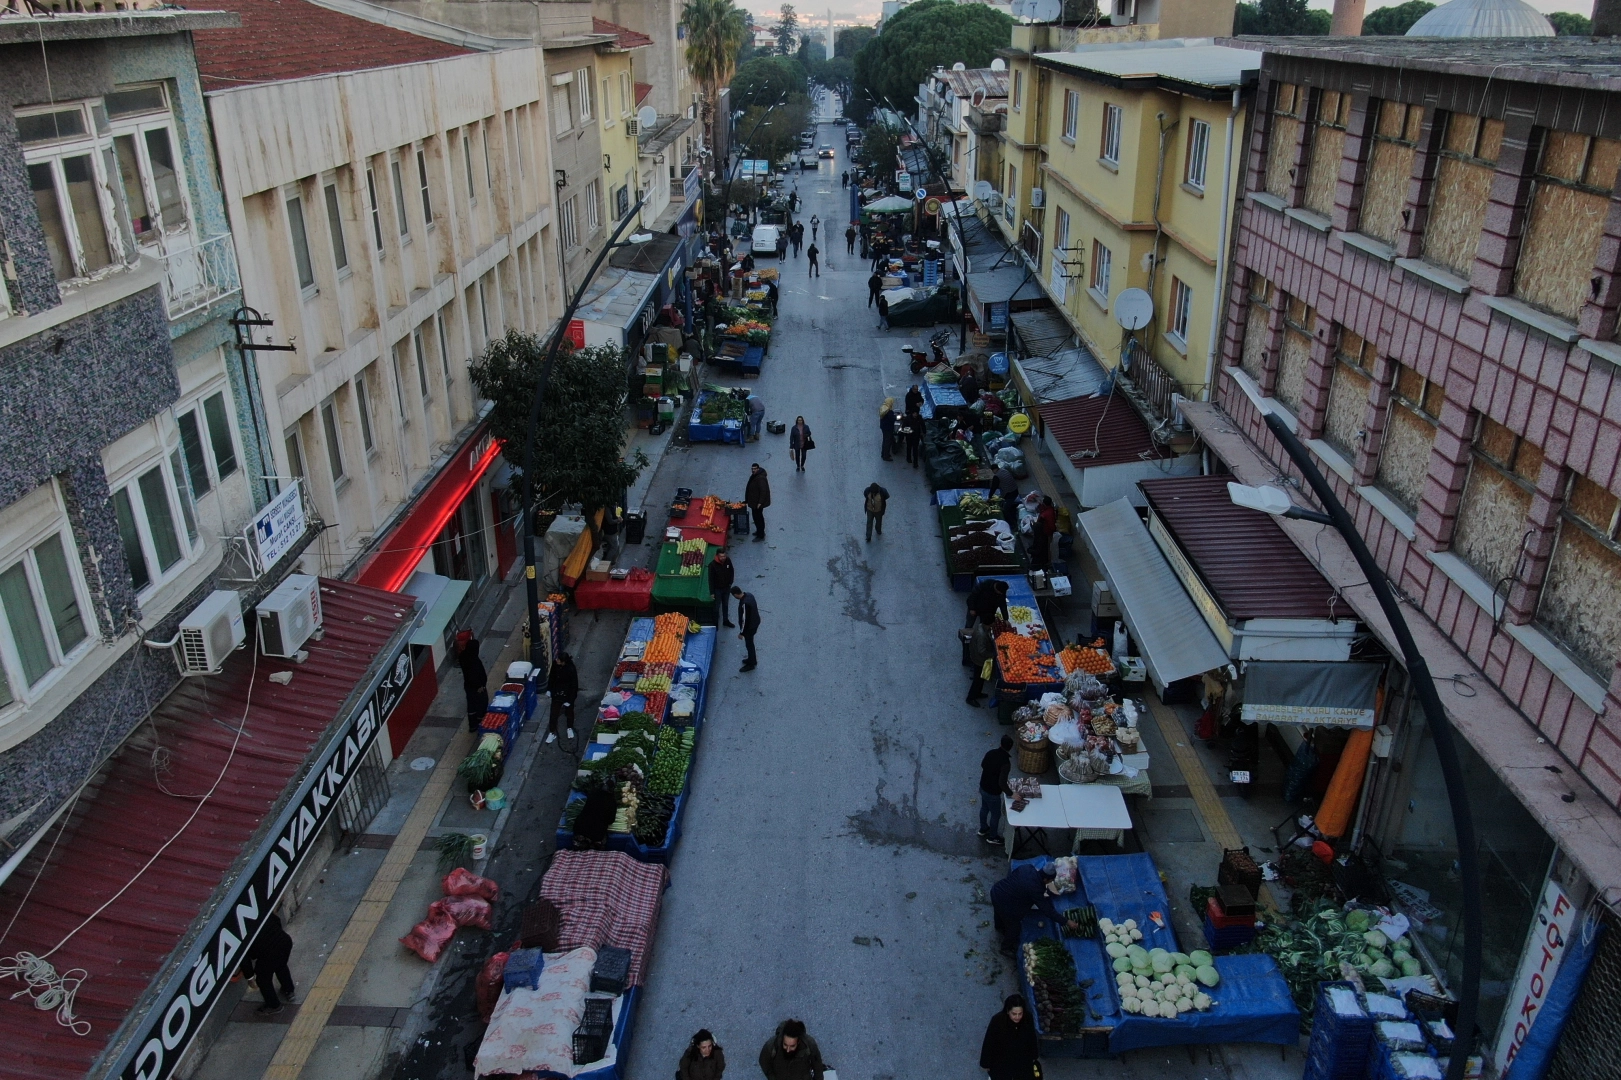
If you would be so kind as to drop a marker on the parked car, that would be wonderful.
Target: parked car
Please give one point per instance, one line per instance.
(807, 139)
(765, 240)
(826, 151)
(807, 159)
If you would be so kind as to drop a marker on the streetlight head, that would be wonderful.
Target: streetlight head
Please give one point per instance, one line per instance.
(1268, 500)
(639, 237)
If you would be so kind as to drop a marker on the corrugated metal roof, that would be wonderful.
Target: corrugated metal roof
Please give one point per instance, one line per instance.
(1058, 366)
(964, 83)
(1194, 61)
(142, 797)
(1005, 283)
(1107, 424)
(1252, 569)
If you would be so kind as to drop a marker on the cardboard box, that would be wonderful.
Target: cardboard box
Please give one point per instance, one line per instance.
(598, 570)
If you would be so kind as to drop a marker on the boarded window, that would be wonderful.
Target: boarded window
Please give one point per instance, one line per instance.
(1280, 158)
(1295, 356)
(1404, 452)
(1390, 168)
(1348, 393)
(1253, 359)
(1581, 598)
(1496, 502)
(1463, 182)
(1327, 147)
(1570, 197)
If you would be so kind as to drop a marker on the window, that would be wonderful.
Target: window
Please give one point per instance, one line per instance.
(467, 160)
(1579, 603)
(1390, 170)
(489, 173)
(582, 79)
(1570, 197)
(1181, 312)
(376, 211)
(1072, 113)
(1327, 150)
(150, 181)
(334, 227)
(1288, 108)
(568, 223)
(484, 308)
(399, 199)
(202, 473)
(334, 447)
(562, 110)
(420, 348)
(1113, 120)
(1010, 198)
(1018, 89)
(624, 94)
(70, 212)
(1349, 382)
(607, 111)
(1409, 435)
(295, 454)
(399, 385)
(42, 614)
(1102, 262)
(1294, 358)
(146, 525)
(422, 184)
(444, 348)
(219, 435)
(1198, 154)
(1463, 181)
(593, 206)
(363, 407)
(301, 243)
(140, 575)
(1059, 275)
(182, 493)
(1492, 533)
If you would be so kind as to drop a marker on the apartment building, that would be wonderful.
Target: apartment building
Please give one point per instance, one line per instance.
(620, 135)
(662, 65)
(1426, 289)
(948, 102)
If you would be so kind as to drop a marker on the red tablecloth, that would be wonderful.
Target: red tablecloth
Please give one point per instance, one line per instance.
(635, 593)
(694, 526)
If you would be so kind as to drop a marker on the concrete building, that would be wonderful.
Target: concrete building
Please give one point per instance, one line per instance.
(1425, 288)
(662, 63)
(946, 102)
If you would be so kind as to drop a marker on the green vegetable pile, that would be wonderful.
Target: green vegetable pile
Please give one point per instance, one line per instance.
(1310, 947)
(976, 507)
(1060, 1001)
(669, 773)
(634, 750)
(653, 819)
(722, 407)
(1080, 922)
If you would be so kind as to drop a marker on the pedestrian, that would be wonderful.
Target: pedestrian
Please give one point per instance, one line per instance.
(811, 253)
(721, 574)
(914, 436)
(748, 623)
(266, 964)
(475, 680)
(850, 240)
(883, 313)
(782, 245)
(981, 651)
(756, 416)
(772, 293)
(1024, 888)
(844, 178)
(1010, 1050)
(994, 769)
(875, 500)
(886, 429)
(816, 223)
(793, 201)
(791, 1054)
(800, 443)
(875, 288)
(1041, 532)
(914, 399)
(798, 231)
(757, 495)
(987, 601)
(703, 1059)
(968, 386)
(563, 683)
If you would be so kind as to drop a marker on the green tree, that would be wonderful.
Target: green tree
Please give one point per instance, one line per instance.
(878, 144)
(1279, 18)
(580, 440)
(848, 41)
(1568, 22)
(922, 36)
(766, 79)
(774, 136)
(786, 30)
(1395, 20)
(716, 29)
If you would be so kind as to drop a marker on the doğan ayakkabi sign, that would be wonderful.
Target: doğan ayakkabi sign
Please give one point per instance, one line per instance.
(193, 986)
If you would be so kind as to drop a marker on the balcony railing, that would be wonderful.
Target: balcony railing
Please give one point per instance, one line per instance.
(199, 275)
(1155, 385)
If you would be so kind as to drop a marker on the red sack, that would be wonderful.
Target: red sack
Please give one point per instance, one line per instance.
(1205, 727)
(487, 987)
(464, 910)
(463, 882)
(427, 938)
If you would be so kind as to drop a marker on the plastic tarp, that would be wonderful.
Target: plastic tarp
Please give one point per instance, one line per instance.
(672, 588)
(1311, 692)
(952, 496)
(1531, 1061)
(1252, 1005)
(1128, 887)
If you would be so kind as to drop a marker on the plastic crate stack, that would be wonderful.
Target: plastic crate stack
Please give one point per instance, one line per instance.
(1341, 1035)
(1229, 920)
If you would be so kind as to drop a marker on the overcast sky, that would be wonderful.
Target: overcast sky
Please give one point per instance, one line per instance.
(765, 11)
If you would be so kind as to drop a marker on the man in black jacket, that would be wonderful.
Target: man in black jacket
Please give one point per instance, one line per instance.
(875, 285)
(266, 964)
(748, 617)
(987, 601)
(875, 500)
(563, 682)
(757, 495)
(721, 573)
(475, 679)
(994, 769)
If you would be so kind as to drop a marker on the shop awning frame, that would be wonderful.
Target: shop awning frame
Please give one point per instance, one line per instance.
(1170, 633)
(1321, 693)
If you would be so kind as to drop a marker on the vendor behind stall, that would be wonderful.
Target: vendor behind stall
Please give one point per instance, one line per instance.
(1024, 888)
(987, 602)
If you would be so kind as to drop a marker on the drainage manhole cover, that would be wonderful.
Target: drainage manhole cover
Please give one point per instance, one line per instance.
(421, 764)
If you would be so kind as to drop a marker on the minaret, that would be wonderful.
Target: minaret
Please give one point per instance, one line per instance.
(830, 33)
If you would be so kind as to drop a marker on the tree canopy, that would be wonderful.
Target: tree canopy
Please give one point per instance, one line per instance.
(1279, 18)
(1568, 22)
(786, 30)
(766, 79)
(776, 136)
(919, 38)
(849, 39)
(1396, 19)
(878, 145)
(715, 31)
(580, 440)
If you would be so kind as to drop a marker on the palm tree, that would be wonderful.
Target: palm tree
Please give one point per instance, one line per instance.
(716, 30)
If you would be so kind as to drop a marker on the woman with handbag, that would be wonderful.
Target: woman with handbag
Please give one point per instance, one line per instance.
(1010, 1051)
(800, 442)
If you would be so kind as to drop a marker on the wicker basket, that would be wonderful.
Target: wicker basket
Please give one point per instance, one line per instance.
(1035, 758)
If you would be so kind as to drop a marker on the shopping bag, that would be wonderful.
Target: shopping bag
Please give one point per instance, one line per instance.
(985, 670)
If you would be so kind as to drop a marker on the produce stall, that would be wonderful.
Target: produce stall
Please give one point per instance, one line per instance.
(745, 336)
(718, 416)
(704, 519)
(682, 576)
(951, 462)
(940, 392)
(633, 591)
(1132, 986)
(976, 539)
(1026, 663)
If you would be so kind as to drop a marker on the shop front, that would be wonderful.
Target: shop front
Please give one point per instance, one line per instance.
(999, 291)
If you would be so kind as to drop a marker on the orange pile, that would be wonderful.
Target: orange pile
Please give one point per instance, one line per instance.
(1090, 660)
(1022, 660)
(711, 504)
(669, 632)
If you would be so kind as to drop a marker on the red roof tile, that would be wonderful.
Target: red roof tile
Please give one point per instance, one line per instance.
(1107, 424)
(626, 38)
(1250, 565)
(642, 90)
(292, 39)
(125, 817)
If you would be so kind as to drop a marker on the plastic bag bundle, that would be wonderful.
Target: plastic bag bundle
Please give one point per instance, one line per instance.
(487, 987)
(1067, 733)
(427, 938)
(463, 882)
(464, 910)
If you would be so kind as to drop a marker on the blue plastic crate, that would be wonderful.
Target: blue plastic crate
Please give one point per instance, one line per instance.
(1230, 938)
(523, 969)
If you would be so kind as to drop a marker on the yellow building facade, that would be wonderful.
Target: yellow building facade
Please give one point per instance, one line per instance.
(1121, 166)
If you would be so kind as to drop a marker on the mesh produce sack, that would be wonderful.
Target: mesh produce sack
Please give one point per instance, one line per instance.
(427, 938)
(463, 882)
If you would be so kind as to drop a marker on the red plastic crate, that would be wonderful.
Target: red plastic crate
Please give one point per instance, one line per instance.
(1224, 922)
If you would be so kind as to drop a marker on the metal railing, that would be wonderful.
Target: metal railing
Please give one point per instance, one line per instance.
(1153, 382)
(199, 275)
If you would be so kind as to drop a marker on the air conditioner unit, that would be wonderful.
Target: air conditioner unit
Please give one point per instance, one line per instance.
(994, 200)
(1038, 198)
(289, 615)
(210, 633)
(630, 128)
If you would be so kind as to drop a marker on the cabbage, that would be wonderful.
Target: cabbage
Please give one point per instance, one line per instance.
(1186, 971)
(1199, 958)
(1161, 963)
(1208, 976)
(1179, 958)
(1382, 969)
(1115, 950)
(1135, 951)
(1376, 939)
(1357, 920)
(1410, 965)
(1122, 964)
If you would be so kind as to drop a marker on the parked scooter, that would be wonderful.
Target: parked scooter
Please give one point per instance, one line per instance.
(1243, 756)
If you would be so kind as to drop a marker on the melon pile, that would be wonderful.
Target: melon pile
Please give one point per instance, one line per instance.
(1154, 982)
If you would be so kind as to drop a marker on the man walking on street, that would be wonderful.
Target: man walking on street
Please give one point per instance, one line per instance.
(911, 430)
(782, 245)
(876, 500)
(812, 252)
(791, 1054)
(563, 683)
(883, 313)
(748, 620)
(475, 680)
(875, 286)
(994, 768)
(796, 232)
(721, 574)
(266, 964)
(758, 496)
(850, 240)
(815, 224)
(979, 651)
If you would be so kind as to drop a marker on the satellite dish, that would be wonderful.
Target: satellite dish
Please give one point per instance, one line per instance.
(998, 64)
(1041, 11)
(959, 66)
(1133, 309)
(647, 116)
(983, 190)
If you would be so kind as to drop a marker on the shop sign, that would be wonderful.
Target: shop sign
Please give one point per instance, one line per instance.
(996, 318)
(1545, 951)
(903, 180)
(278, 526)
(196, 985)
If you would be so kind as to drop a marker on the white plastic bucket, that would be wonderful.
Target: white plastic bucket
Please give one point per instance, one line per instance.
(481, 846)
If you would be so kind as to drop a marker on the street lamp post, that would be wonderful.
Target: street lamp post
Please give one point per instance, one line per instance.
(726, 197)
(1274, 501)
(531, 580)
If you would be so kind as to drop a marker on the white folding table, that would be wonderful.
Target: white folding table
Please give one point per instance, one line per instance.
(1093, 811)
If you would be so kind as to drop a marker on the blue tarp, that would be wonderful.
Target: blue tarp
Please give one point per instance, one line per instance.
(952, 496)
(1252, 1005)
(1531, 1060)
(941, 396)
(1128, 887)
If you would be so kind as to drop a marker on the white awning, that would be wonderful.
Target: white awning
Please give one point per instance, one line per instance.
(1170, 633)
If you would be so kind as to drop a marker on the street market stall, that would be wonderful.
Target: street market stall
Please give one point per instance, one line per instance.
(622, 590)
(704, 519)
(682, 575)
(976, 539)
(718, 416)
(1027, 665)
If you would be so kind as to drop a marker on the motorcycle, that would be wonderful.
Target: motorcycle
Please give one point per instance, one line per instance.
(1243, 755)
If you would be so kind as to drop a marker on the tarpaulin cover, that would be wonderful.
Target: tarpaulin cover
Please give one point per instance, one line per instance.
(1128, 887)
(606, 898)
(952, 496)
(1311, 692)
(1536, 1052)
(1252, 1005)
(633, 593)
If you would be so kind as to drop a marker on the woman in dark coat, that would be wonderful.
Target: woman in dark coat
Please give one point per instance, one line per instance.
(704, 1059)
(474, 678)
(563, 682)
(1010, 1051)
(800, 442)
